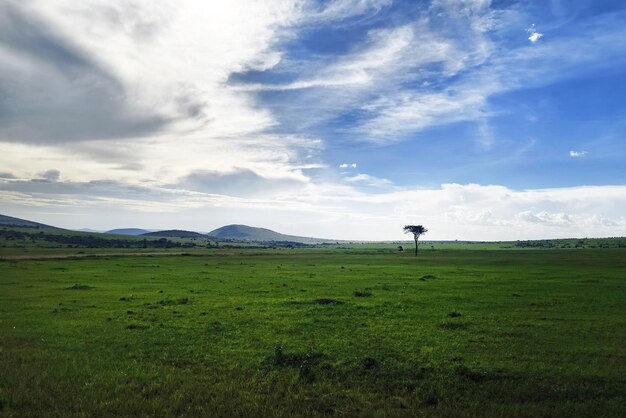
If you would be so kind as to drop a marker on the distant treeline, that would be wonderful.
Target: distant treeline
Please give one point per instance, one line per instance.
(289, 244)
(232, 243)
(574, 243)
(91, 241)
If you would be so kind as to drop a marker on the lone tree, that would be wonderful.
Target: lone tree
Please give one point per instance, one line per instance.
(417, 231)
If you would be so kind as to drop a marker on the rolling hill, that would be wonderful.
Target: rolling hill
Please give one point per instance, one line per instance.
(249, 233)
(17, 222)
(174, 233)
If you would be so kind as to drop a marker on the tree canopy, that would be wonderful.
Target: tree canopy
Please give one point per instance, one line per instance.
(417, 231)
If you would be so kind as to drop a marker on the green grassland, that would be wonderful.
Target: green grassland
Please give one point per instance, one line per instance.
(351, 330)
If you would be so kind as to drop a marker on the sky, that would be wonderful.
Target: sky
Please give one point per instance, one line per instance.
(346, 119)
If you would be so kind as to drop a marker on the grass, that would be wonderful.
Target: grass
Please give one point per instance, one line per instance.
(312, 332)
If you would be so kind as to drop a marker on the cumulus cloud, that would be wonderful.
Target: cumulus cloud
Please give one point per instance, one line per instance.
(534, 34)
(161, 160)
(116, 81)
(240, 182)
(143, 92)
(525, 214)
(63, 92)
(577, 154)
(544, 217)
(346, 165)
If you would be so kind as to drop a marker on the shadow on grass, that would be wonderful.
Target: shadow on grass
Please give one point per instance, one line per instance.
(363, 294)
(320, 301)
(170, 302)
(79, 287)
(137, 326)
(454, 326)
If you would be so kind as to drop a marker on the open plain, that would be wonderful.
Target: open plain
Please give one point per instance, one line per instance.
(342, 331)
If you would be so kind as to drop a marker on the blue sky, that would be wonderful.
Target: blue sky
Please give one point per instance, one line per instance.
(344, 118)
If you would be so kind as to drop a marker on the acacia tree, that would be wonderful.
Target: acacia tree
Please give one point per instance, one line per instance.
(417, 231)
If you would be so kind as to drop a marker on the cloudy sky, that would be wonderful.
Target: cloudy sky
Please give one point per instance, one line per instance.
(347, 119)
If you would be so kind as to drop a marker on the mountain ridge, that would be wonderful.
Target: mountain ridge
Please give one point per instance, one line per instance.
(18, 222)
(174, 233)
(251, 233)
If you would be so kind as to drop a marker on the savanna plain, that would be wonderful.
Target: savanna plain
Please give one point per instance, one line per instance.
(358, 330)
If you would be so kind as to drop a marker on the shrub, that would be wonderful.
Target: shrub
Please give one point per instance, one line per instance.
(327, 301)
(363, 294)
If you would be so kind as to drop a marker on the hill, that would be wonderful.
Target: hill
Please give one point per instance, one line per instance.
(174, 233)
(17, 222)
(128, 231)
(249, 233)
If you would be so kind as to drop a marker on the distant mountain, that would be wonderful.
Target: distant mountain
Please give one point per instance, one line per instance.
(174, 233)
(89, 230)
(128, 231)
(11, 221)
(249, 233)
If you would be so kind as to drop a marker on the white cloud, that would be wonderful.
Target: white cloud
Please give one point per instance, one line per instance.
(342, 9)
(169, 63)
(452, 64)
(346, 165)
(384, 49)
(373, 74)
(397, 111)
(449, 38)
(577, 154)
(548, 218)
(368, 180)
(175, 60)
(161, 160)
(241, 182)
(408, 112)
(534, 35)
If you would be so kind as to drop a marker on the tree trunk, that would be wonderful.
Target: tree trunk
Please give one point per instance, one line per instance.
(415, 246)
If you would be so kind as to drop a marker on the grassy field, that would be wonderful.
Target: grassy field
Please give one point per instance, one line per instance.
(361, 330)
